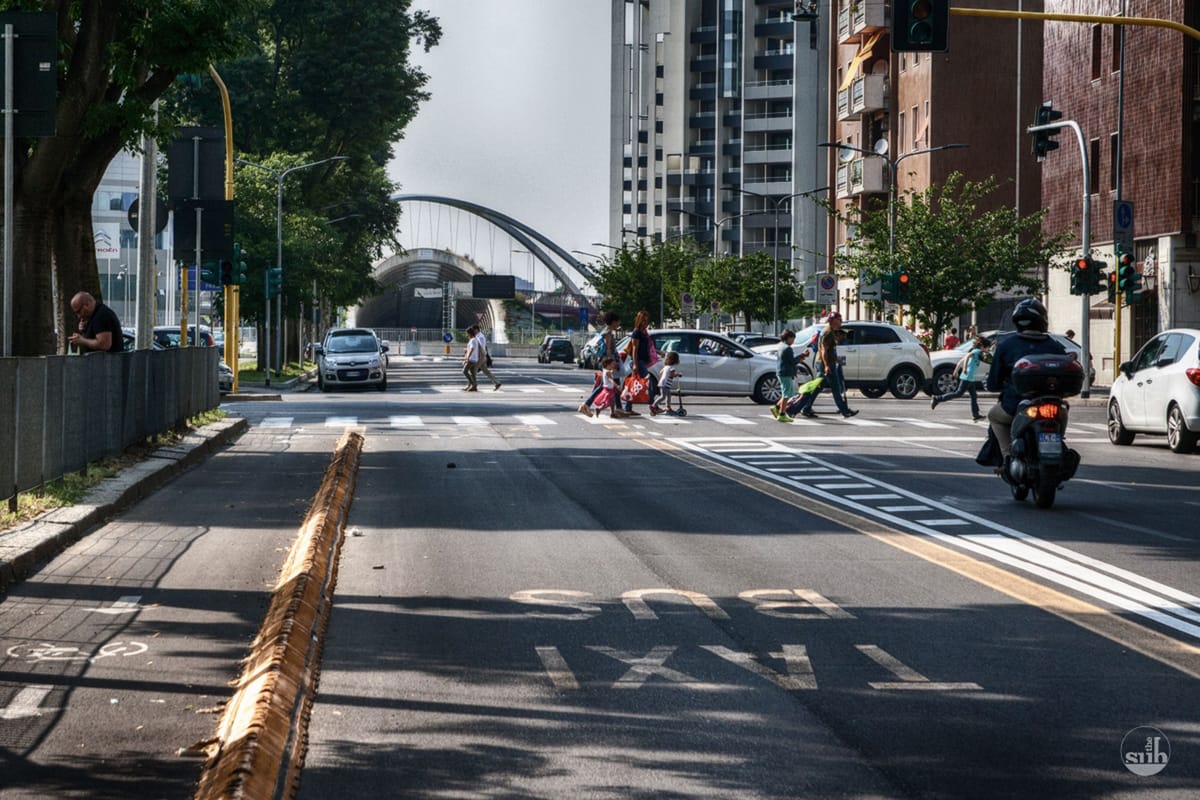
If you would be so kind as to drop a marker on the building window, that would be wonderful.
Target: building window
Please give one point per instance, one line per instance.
(1097, 42)
(900, 139)
(916, 129)
(1116, 48)
(1094, 166)
(1114, 161)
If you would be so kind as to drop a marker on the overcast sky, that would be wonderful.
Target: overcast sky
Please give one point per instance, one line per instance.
(518, 119)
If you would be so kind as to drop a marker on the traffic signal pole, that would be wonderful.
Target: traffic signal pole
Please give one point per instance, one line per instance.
(1095, 19)
(1086, 243)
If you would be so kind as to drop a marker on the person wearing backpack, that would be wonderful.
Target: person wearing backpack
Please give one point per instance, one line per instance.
(607, 347)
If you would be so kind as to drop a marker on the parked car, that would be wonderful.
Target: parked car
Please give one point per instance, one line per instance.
(556, 348)
(754, 340)
(1158, 392)
(351, 357)
(943, 361)
(878, 357)
(166, 336)
(713, 364)
(224, 378)
(587, 354)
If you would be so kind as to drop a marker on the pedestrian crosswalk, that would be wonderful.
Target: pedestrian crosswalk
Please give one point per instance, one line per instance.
(828, 422)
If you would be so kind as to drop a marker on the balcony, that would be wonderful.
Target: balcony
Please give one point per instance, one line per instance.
(770, 90)
(861, 176)
(770, 121)
(774, 26)
(859, 18)
(768, 186)
(702, 91)
(774, 59)
(703, 64)
(767, 154)
(867, 94)
(703, 35)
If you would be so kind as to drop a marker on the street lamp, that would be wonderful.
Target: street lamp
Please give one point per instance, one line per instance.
(279, 176)
(893, 164)
(777, 202)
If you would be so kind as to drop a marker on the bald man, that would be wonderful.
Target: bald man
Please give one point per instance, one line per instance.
(99, 328)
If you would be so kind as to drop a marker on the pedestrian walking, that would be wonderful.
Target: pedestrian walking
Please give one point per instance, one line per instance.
(98, 328)
(965, 370)
(608, 386)
(785, 369)
(668, 382)
(641, 357)
(471, 361)
(484, 364)
(829, 367)
(606, 347)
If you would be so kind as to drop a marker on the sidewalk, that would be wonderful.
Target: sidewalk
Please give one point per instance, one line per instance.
(25, 547)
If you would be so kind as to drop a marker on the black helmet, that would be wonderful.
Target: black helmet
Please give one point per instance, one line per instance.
(1030, 315)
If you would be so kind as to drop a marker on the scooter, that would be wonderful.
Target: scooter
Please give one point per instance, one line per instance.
(1041, 462)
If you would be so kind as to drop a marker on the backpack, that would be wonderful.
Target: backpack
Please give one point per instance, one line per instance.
(601, 348)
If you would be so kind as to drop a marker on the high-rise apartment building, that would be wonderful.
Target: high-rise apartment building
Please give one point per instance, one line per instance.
(718, 108)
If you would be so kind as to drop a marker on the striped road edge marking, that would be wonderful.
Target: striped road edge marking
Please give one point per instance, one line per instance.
(1179, 655)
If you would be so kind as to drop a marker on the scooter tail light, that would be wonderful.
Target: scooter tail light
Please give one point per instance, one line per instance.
(1043, 411)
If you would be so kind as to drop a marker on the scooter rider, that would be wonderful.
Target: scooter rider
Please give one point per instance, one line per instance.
(1029, 318)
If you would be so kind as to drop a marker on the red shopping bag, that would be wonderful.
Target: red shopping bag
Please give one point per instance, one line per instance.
(637, 389)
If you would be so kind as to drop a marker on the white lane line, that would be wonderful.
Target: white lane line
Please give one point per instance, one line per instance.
(534, 419)
(898, 509)
(603, 419)
(1116, 586)
(880, 496)
(568, 389)
(943, 522)
(340, 422)
(728, 419)
(125, 604)
(856, 485)
(469, 421)
(26, 703)
(920, 423)
(277, 422)
(405, 421)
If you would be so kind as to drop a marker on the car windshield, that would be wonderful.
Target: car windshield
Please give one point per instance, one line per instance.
(352, 343)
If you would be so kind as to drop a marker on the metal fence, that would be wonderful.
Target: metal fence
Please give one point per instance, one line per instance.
(59, 413)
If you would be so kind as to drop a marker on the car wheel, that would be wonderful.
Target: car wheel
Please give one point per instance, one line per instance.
(1179, 438)
(905, 383)
(873, 392)
(944, 381)
(382, 386)
(767, 390)
(1118, 434)
(321, 383)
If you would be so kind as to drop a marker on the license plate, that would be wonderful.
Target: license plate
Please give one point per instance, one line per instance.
(356, 373)
(1049, 443)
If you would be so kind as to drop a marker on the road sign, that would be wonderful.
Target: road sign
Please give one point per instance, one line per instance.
(583, 316)
(826, 288)
(687, 303)
(447, 337)
(870, 291)
(1123, 225)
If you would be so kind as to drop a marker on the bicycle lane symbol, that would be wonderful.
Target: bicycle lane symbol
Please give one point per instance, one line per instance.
(45, 652)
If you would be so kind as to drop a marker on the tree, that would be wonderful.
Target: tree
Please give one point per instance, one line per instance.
(958, 255)
(746, 285)
(627, 279)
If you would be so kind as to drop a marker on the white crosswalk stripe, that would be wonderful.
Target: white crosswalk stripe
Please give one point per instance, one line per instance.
(535, 419)
(728, 419)
(405, 421)
(469, 420)
(921, 423)
(278, 422)
(340, 422)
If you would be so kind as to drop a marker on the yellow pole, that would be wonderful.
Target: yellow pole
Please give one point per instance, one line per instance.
(232, 293)
(1093, 18)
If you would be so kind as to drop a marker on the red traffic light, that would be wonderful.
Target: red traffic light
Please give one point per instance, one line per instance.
(1082, 264)
(902, 280)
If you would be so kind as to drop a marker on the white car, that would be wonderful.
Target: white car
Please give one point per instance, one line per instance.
(713, 364)
(1158, 392)
(351, 357)
(877, 357)
(943, 361)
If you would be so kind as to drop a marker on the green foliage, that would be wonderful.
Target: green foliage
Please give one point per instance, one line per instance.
(746, 286)
(958, 254)
(628, 280)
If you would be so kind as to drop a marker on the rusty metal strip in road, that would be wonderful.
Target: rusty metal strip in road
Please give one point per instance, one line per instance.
(258, 751)
(1172, 652)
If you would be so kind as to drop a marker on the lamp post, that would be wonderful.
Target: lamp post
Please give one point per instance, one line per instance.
(893, 166)
(776, 202)
(279, 176)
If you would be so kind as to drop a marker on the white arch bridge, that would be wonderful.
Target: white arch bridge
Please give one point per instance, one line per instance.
(447, 241)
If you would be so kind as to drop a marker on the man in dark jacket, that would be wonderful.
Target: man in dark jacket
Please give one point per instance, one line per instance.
(1029, 318)
(99, 328)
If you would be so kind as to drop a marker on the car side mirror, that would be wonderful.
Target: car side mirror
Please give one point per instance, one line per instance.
(1127, 368)
(318, 350)
(383, 348)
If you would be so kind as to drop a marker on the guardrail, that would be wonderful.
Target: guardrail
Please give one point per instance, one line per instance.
(59, 413)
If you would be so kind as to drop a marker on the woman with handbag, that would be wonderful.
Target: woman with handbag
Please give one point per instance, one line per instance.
(641, 385)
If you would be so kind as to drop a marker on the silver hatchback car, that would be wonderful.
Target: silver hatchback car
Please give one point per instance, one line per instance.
(351, 357)
(1158, 392)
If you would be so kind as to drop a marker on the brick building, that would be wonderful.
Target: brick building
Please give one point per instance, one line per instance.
(1155, 161)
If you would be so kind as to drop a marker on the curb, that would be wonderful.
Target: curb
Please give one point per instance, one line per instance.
(24, 549)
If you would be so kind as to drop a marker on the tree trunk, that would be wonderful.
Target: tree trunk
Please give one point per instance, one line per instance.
(33, 325)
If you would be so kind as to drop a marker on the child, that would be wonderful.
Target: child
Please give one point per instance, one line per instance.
(965, 370)
(607, 398)
(668, 382)
(785, 369)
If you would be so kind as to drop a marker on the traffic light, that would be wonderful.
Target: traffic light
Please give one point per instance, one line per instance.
(902, 286)
(1044, 141)
(887, 286)
(226, 273)
(920, 25)
(274, 278)
(1111, 280)
(1128, 279)
(1078, 276)
(237, 267)
(1087, 276)
(210, 274)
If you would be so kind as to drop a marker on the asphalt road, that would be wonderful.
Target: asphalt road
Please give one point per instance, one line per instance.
(535, 604)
